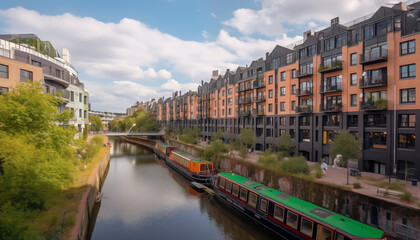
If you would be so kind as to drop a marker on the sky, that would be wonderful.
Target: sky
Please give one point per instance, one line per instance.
(128, 51)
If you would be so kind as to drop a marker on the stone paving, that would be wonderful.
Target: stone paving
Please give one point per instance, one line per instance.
(368, 181)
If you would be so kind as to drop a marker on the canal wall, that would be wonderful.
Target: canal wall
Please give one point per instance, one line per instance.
(86, 207)
(397, 219)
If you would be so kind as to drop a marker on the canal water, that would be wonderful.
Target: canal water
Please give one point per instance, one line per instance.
(144, 199)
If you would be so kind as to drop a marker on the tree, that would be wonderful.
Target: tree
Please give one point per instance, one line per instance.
(247, 137)
(345, 144)
(214, 151)
(284, 144)
(96, 122)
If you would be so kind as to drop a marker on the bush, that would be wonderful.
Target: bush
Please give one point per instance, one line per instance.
(190, 135)
(294, 165)
(268, 159)
(408, 197)
(213, 152)
(89, 150)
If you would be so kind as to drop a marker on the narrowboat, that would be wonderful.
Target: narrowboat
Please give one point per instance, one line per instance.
(289, 217)
(194, 169)
(163, 150)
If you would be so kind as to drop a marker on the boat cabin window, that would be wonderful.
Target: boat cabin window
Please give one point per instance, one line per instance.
(244, 194)
(228, 186)
(263, 205)
(292, 219)
(222, 183)
(279, 213)
(235, 190)
(323, 233)
(306, 227)
(252, 200)
(339, 236)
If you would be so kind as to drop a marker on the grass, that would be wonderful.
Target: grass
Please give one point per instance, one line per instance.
(50, 222)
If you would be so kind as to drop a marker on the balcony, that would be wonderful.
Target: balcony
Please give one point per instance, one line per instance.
(379, 104)
(335, 66)
(369, 82)
(328, 88)
(260, 99)
(375, 55)
(304, 109)
(246, 87)
(259, 112)
(325, 107)
(302, 74)
(306, 91)
(259, 84)
(244, 113)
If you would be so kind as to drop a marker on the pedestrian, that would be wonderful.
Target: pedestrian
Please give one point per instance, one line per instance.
(324, 167)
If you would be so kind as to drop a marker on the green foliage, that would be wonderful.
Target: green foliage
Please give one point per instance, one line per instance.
(247, 137)
(89, 150)
(243, 152)
(294, 165)
(218, 135)
(408, 197)
(268, 159)
(235, 145)
(214, 151)
(190, 135)
(317, 169)
(143, 119)
(284, 144)
(95, 123)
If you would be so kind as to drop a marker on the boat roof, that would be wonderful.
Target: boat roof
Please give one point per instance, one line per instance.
(189, 157)
(164, 144)
(313, 211)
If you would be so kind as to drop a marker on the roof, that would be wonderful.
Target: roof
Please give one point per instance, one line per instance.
(313, 211)
(165, 145)
(189, 157)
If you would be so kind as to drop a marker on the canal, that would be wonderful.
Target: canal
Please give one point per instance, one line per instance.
(143, 199)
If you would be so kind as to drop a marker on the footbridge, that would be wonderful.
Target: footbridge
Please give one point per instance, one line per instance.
(147, 140)
(134, 134)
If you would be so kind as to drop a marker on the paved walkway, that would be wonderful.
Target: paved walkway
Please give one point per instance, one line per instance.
(369, 181)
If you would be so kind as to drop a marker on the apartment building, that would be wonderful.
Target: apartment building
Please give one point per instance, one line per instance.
(361, 76)
(24, 57)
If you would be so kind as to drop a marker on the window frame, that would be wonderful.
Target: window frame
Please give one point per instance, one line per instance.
(246, 194)
(301, 226)
(351, 100)
(6, 71)
(407, 44)
(351, 59)
(351, 79)
(235, 190)
(252, 200)
(408, 101)
(283, 210)
(30, 76)
(266, 205)
(220, 183)
(407, 66)
(297, 219)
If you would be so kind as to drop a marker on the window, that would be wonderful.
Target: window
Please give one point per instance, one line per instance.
(407, 141)
(235, 190)
(408, 95)
(305, 135)
(283, 76)
(353, 100)
(270, 107)
(311, 50)
(25, 76)
(80, 97)
(85, 99)
(263, 205)
(58, 73)
(282, 121)
(353, 79)
(292, 219)
(71, 96)
(229, 91)
(252, 200)
(289, 58)
(270, 93)
(292, 133)
(223, 93)
(293, 89)
(230, 111)
(270, 79)
(223, 102)
(244, 194)
(368, 31)
(230, 101)
(3, 90)
(408, 47)
(306, 227)
(282, 106)
(279, 213)
(283, 91)
(36, 63)
(80, 113)
(407, 120)
(222, 183)
(4, 71)
(353, 58)
(293, 105)
(352, 120)
(328, 44)
(302, 53)
(328, 136)
(294, 73)
(377, 139)
(228, 186)
(408, 71)
(323, 233)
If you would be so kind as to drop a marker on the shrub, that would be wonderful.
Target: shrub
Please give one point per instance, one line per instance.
(268, 159)
(408, 197)
(294, 165)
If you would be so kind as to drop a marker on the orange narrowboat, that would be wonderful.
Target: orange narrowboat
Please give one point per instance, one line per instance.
(195, 169)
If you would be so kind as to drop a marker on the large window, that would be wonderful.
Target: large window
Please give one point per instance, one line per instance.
(353, 100)
(244, 194)
(407, 120)
(353, 58)
(353, 79)
(407, 141)
(408, 71)
(408, 47)
(4, 71)
(283, 106)
(306, 227)
(252, 200)
(283, 91)
(26, 76)
(305, 135)
(377, 139)
(352, 121)
(270, 107)
(408, 95)
(368, 31)
(279, 213)
(375, 120)
(292, 219)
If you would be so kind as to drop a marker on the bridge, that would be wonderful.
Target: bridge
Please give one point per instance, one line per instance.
(133, 134)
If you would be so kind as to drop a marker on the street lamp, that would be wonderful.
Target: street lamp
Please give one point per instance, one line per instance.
(131, 128)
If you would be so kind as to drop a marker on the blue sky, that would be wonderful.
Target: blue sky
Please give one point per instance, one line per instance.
(126, 51)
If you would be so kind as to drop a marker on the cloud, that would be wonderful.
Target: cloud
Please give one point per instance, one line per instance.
(273, 16)
(204, 34)
(213, 14)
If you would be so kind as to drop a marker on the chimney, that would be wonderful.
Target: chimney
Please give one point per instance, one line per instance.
(215, 73)
(307, 34)
(335, 21)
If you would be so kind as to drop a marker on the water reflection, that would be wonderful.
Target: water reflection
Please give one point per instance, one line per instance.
(145, 200)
